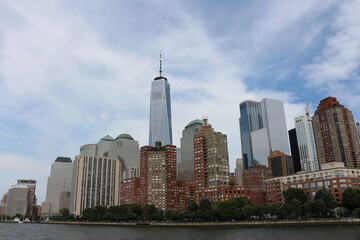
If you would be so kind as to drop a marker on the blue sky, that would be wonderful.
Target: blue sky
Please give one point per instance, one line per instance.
(72, 72)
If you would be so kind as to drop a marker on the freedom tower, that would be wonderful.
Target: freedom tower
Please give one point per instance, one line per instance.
(160, 111)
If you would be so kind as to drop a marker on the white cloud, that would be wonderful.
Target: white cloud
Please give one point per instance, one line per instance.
(69, 82)
(336, 70)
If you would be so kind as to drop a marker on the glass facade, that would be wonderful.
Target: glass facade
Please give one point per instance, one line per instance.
(160, 128)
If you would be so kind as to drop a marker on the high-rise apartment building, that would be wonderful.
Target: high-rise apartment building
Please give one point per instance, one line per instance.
(306, 143)
(96, 181)
(294, 147)
(211, 159)
(58, 189)
(335, 134)
(262, 130)
(158, 184)
(160, 128)
(186, 165)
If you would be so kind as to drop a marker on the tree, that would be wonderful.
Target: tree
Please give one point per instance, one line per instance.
(205, 205)
(65, 212)
(328, 199)
(295, 193)
(351, 198)
(249, 211)
(193, 207)
(316, 209)
(151, 212)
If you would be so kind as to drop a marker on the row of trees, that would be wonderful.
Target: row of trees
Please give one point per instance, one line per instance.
(297, 205)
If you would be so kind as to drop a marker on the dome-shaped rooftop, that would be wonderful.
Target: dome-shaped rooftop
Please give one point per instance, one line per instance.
(198, 121)
(125, 136)
(107, 138)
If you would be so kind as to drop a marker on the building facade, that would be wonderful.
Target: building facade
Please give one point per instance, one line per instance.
(160, 128)
(306, 143)
(254, 177)
(335, 134)
(294, 148)
(96, 182)
(158, 183)
(31, 184)
(19, 200)
(58, 187)
(186, 165)
(124, 147)
(333, 176)
(239, 171)
(280, 164)
(211, 161)
(262, 130)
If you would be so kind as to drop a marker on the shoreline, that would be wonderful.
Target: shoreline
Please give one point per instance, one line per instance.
(327, 222)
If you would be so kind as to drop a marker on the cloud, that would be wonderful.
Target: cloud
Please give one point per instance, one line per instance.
(336, 70)
(73, 73)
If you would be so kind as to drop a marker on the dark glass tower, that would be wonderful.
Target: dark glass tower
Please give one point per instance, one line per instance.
(160, 111)
(294, 147)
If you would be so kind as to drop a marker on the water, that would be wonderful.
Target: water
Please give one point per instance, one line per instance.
(84, 232)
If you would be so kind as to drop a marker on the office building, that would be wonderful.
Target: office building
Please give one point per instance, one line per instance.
(239, 171)
(96, 182)
(262, 130)
(31, 184)
(280, 164)
(358, 130)
(124, 147)
(306, 143)
(186, 165)
(58, 189)
(160, 128)
(294, 148)
(158, 183)
(18, 201)
(335, 134)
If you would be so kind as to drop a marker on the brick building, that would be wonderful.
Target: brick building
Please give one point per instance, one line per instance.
(335, 134)
(130, 191)
(254, 177)
(158, 183)
(334, 176)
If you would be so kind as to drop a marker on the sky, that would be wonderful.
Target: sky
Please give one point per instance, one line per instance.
(73, 71)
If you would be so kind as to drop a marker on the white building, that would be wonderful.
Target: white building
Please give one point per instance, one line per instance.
(306, 142)
(125, 148)
(96, 181)
(58, 187)
(239, 171)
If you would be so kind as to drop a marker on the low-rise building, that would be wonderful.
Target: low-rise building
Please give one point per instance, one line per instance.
(334, 176)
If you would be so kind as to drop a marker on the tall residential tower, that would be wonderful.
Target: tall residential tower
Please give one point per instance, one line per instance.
(335, 134)
(160, 111)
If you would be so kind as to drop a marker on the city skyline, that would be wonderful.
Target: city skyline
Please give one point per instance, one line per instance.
(68, 72)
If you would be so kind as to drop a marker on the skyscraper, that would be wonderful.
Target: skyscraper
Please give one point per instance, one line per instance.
(335, 134)
(160, 128)
(31, 184)
(59, 184)
(158, 177)
(294, 147)
(186, 166)
(358, 130)
(18, 201)
(211, 159)
(124, 147)
(96, 182)
(306, 142)
(262, 130)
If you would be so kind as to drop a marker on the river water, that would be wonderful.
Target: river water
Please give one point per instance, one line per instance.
(10, 231)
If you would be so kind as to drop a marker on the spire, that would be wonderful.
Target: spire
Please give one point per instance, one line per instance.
(307, 109)
(160, 65)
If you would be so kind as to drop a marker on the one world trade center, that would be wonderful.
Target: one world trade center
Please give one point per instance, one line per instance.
(160, 111)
